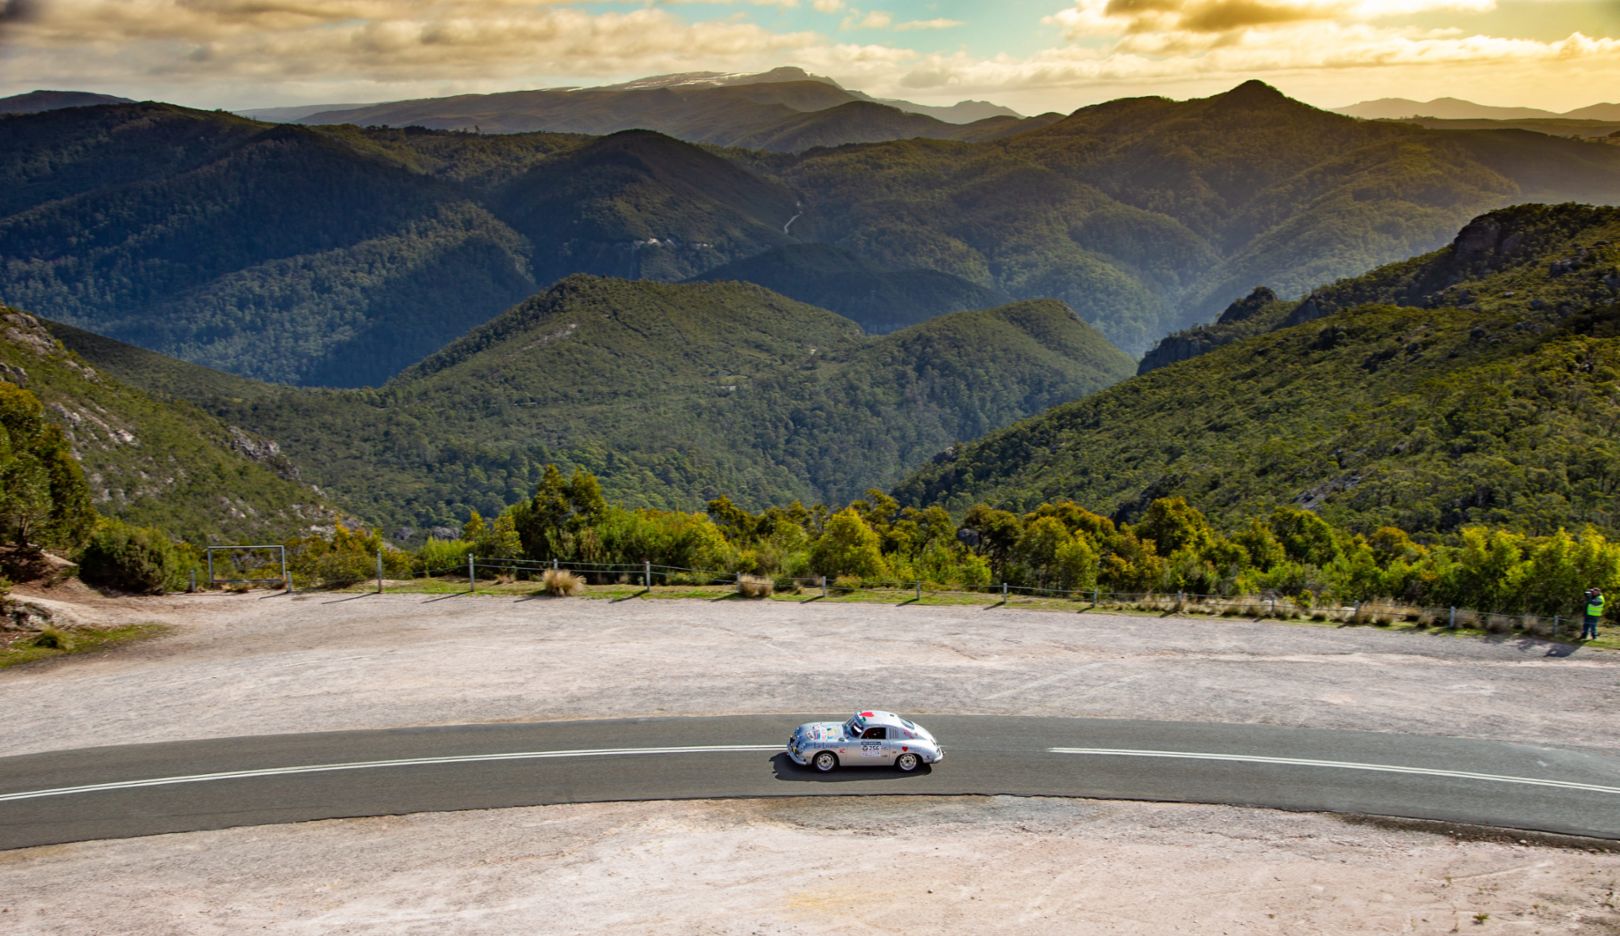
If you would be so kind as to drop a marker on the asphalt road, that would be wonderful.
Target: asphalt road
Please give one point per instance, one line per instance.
(147, 789)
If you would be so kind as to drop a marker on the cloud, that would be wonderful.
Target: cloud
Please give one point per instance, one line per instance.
(911, 25)
(876, 19)
(369, 41)
(1092, 18)
(827, 6)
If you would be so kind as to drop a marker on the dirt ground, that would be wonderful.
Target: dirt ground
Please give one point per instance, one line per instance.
(256, 663)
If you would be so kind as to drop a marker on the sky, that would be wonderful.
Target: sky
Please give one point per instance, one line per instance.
(1032, 55)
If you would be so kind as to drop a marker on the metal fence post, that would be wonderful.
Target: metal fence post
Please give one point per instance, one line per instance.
(193, 587)
(824, 586)
(286, 580)
(1558, 625)
(1003, 592)
(646, 574)
(1453, 622)
(379, 570)
(919, 591)
(210, 567)
(553, 562)
(472, 575)
(1094, 595)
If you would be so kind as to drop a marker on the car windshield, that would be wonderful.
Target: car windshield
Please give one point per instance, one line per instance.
(854, 727)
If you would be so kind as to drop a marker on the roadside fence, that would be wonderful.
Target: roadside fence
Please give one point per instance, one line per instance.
(646, 575)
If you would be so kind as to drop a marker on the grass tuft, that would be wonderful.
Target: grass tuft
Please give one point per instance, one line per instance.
(561, 583)
(754, 586)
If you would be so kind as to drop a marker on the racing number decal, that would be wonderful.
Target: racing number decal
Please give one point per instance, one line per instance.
(871, 748)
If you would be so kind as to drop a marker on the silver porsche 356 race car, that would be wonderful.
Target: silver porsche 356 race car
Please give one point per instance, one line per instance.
(867, 739)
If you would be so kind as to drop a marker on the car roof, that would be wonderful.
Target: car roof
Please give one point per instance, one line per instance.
(876, 717)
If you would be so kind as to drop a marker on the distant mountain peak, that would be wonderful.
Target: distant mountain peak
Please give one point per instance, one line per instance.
(34, 102)
(1253, 93)
(779, 75)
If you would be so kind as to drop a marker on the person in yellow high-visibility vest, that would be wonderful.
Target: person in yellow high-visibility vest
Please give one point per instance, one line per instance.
(1594, 610)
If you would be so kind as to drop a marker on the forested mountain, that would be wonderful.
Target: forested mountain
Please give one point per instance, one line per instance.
(1489, 244)
(276, 252)
(33, 102)
(672, 393)
(785, 110)
(151, 462)
(339, 255)
(1472, 385)
(1458, 109)
(879, 300)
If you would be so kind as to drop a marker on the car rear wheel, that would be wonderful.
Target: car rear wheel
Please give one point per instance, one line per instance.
(907, 762)
(825, 761)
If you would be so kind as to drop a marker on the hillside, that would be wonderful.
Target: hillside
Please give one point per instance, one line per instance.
(340, 255)
(785, 110)
(645, 206)
(158, 463)
(1472, 385)
(1148, 215)
(672, 394)
(34, 102)
(1455, 275)
(880, 300)
(275, 252)
(1458, 110)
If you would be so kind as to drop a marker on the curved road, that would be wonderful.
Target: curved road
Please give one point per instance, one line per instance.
(181, 786)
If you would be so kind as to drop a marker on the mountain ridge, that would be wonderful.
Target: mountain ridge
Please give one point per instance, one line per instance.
(1482, 403)
(670, 393)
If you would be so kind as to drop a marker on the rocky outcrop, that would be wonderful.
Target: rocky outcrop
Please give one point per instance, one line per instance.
(1195, 341)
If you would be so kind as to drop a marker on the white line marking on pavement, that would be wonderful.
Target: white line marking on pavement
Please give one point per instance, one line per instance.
(369, 765)
(1342, 765)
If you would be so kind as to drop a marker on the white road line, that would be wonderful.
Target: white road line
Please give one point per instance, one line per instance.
(1342, 765)
(370, 765)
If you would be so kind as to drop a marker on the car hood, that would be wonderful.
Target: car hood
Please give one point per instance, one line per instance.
(821, 731)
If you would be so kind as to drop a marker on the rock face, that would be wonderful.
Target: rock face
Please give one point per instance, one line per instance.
(1248, 307)
(1195, 341)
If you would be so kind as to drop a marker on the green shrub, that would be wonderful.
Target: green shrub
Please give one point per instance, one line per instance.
(443, 557)
(52, 639)
(139, 560)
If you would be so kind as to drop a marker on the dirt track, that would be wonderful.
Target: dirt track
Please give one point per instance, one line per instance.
(256, 664)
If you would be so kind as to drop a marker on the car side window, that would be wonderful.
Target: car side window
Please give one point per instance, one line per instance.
(876, 732)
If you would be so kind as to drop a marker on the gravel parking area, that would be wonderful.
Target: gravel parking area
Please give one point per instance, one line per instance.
(256, 663)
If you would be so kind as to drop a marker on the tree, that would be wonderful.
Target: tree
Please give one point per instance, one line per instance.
(44, 499)
(1305, 537)
(1173, 525)
(553, 523)
(848, 547)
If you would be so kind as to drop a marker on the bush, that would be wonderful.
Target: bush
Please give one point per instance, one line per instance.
(443, 557)
(754, 586)
(139, 560)
(52, 639)
(561, 583)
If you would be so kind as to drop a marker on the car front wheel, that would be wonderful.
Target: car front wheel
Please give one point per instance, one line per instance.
(825, 761)
(907, 762)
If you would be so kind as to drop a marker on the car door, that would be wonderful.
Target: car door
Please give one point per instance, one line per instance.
(875, 746)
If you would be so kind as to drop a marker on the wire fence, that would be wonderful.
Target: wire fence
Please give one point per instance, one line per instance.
(647, 575)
